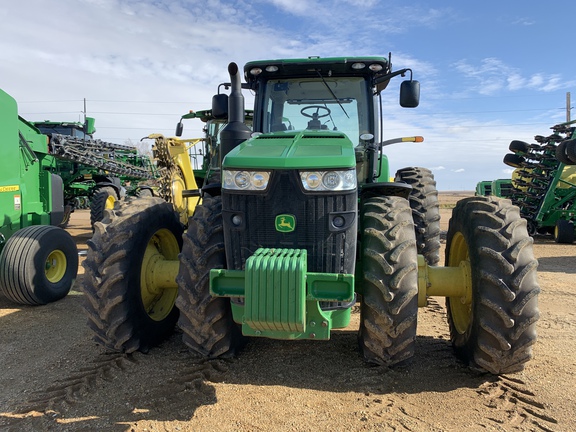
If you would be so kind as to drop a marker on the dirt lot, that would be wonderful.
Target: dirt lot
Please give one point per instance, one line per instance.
(53, 377)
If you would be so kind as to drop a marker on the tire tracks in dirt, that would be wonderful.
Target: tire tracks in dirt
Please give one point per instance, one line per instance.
(176, 390)
(521, 406)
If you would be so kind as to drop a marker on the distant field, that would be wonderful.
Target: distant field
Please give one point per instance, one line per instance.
(448, 199)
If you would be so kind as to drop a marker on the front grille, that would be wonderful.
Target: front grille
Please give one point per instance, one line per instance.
(330, 250)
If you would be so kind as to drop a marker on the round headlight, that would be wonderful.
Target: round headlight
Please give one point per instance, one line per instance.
(271, 68)
(375, 67)
(242, 180)
(313, 180)
(331, 180)
(256, 71)
(358, 66)
(260, 180)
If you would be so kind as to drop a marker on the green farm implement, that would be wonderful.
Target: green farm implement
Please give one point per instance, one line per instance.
(95, 170)
(47, 169)
(544, 182)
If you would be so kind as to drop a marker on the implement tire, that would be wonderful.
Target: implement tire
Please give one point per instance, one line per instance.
(38, 265)
(389, 307)
(425, 210)
(564, 231)
(206, 322)
(126, 311)
(103, 199)
(494, 326)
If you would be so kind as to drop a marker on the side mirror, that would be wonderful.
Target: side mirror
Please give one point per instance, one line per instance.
(409, 94)
(179, 128)
(220, 106)
(89, 128)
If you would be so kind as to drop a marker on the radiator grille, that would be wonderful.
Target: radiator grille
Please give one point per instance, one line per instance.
(329, 251)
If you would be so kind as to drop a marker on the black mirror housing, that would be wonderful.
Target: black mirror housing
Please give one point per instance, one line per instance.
(220, 106)
(410, 94)
(179, 129)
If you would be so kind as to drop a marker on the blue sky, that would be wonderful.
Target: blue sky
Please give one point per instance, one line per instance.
(490, 72)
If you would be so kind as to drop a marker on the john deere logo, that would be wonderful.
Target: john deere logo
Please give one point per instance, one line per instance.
(285, 223)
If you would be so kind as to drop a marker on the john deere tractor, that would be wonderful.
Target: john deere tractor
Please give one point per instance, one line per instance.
(303, 223)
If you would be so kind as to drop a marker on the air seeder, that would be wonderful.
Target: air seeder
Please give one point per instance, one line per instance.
(303, 223)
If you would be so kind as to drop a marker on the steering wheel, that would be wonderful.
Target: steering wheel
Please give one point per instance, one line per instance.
(315, 115)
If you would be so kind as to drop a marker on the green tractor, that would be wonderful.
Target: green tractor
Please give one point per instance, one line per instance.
(38, 260)
(302, 223)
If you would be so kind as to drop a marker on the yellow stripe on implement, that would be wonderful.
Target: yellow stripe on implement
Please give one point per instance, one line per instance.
(9, 188)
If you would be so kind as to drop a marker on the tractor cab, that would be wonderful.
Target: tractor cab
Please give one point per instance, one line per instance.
(330, 98)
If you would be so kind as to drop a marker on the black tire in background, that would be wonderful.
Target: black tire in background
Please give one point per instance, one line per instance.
(389, 309)
(561, 154)
(519, 146)
(103, 199)
(571, 151)
(425, 210)
(125, 311)
(38, 265)
(206, 322)
(495, 328)
(514, 160)
(144, 192)
(564, 231)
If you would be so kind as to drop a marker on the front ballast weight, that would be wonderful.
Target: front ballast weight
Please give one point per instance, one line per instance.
(276, 297)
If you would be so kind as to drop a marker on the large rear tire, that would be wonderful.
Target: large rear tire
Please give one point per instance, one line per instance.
(493, 327)
(389, 307)
(38, 265)
(126, 310)
(206, 322)
(425, 210)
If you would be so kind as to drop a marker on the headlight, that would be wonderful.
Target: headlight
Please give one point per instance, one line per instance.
(246, 180)
(320, 181)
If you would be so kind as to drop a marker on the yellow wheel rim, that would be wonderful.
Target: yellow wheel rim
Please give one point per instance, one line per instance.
(158, 301)
(109, 204)
(55, 266)
(460, 307)
(177, 186)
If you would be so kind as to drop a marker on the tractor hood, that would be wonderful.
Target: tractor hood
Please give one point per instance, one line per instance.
(293, 150)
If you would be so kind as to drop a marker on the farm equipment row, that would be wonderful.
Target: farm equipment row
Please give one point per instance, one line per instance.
(544, 182)
(43, 176)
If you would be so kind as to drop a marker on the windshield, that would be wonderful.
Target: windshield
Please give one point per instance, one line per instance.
(328, 103)
(62, 130)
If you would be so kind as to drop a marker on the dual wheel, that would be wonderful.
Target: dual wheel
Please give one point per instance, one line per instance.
(492, 326)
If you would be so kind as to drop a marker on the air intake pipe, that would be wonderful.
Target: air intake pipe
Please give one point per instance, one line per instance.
(236, 131)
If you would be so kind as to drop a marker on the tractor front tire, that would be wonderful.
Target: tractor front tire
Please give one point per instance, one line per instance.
(425, 210)
(126, 309)
(493, 327)
(389, 263)
(38, 265)
(206, 322)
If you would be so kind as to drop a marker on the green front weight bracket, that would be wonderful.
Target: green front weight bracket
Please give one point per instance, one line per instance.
(279, 298)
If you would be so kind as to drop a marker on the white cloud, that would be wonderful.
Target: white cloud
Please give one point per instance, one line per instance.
(493, 76)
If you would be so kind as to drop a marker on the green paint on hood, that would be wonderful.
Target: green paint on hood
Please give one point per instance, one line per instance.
(294, 150)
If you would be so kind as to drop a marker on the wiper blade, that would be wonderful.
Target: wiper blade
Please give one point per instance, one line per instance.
(332, 93)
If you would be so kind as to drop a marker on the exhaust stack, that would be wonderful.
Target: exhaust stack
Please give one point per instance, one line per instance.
(236, 131)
